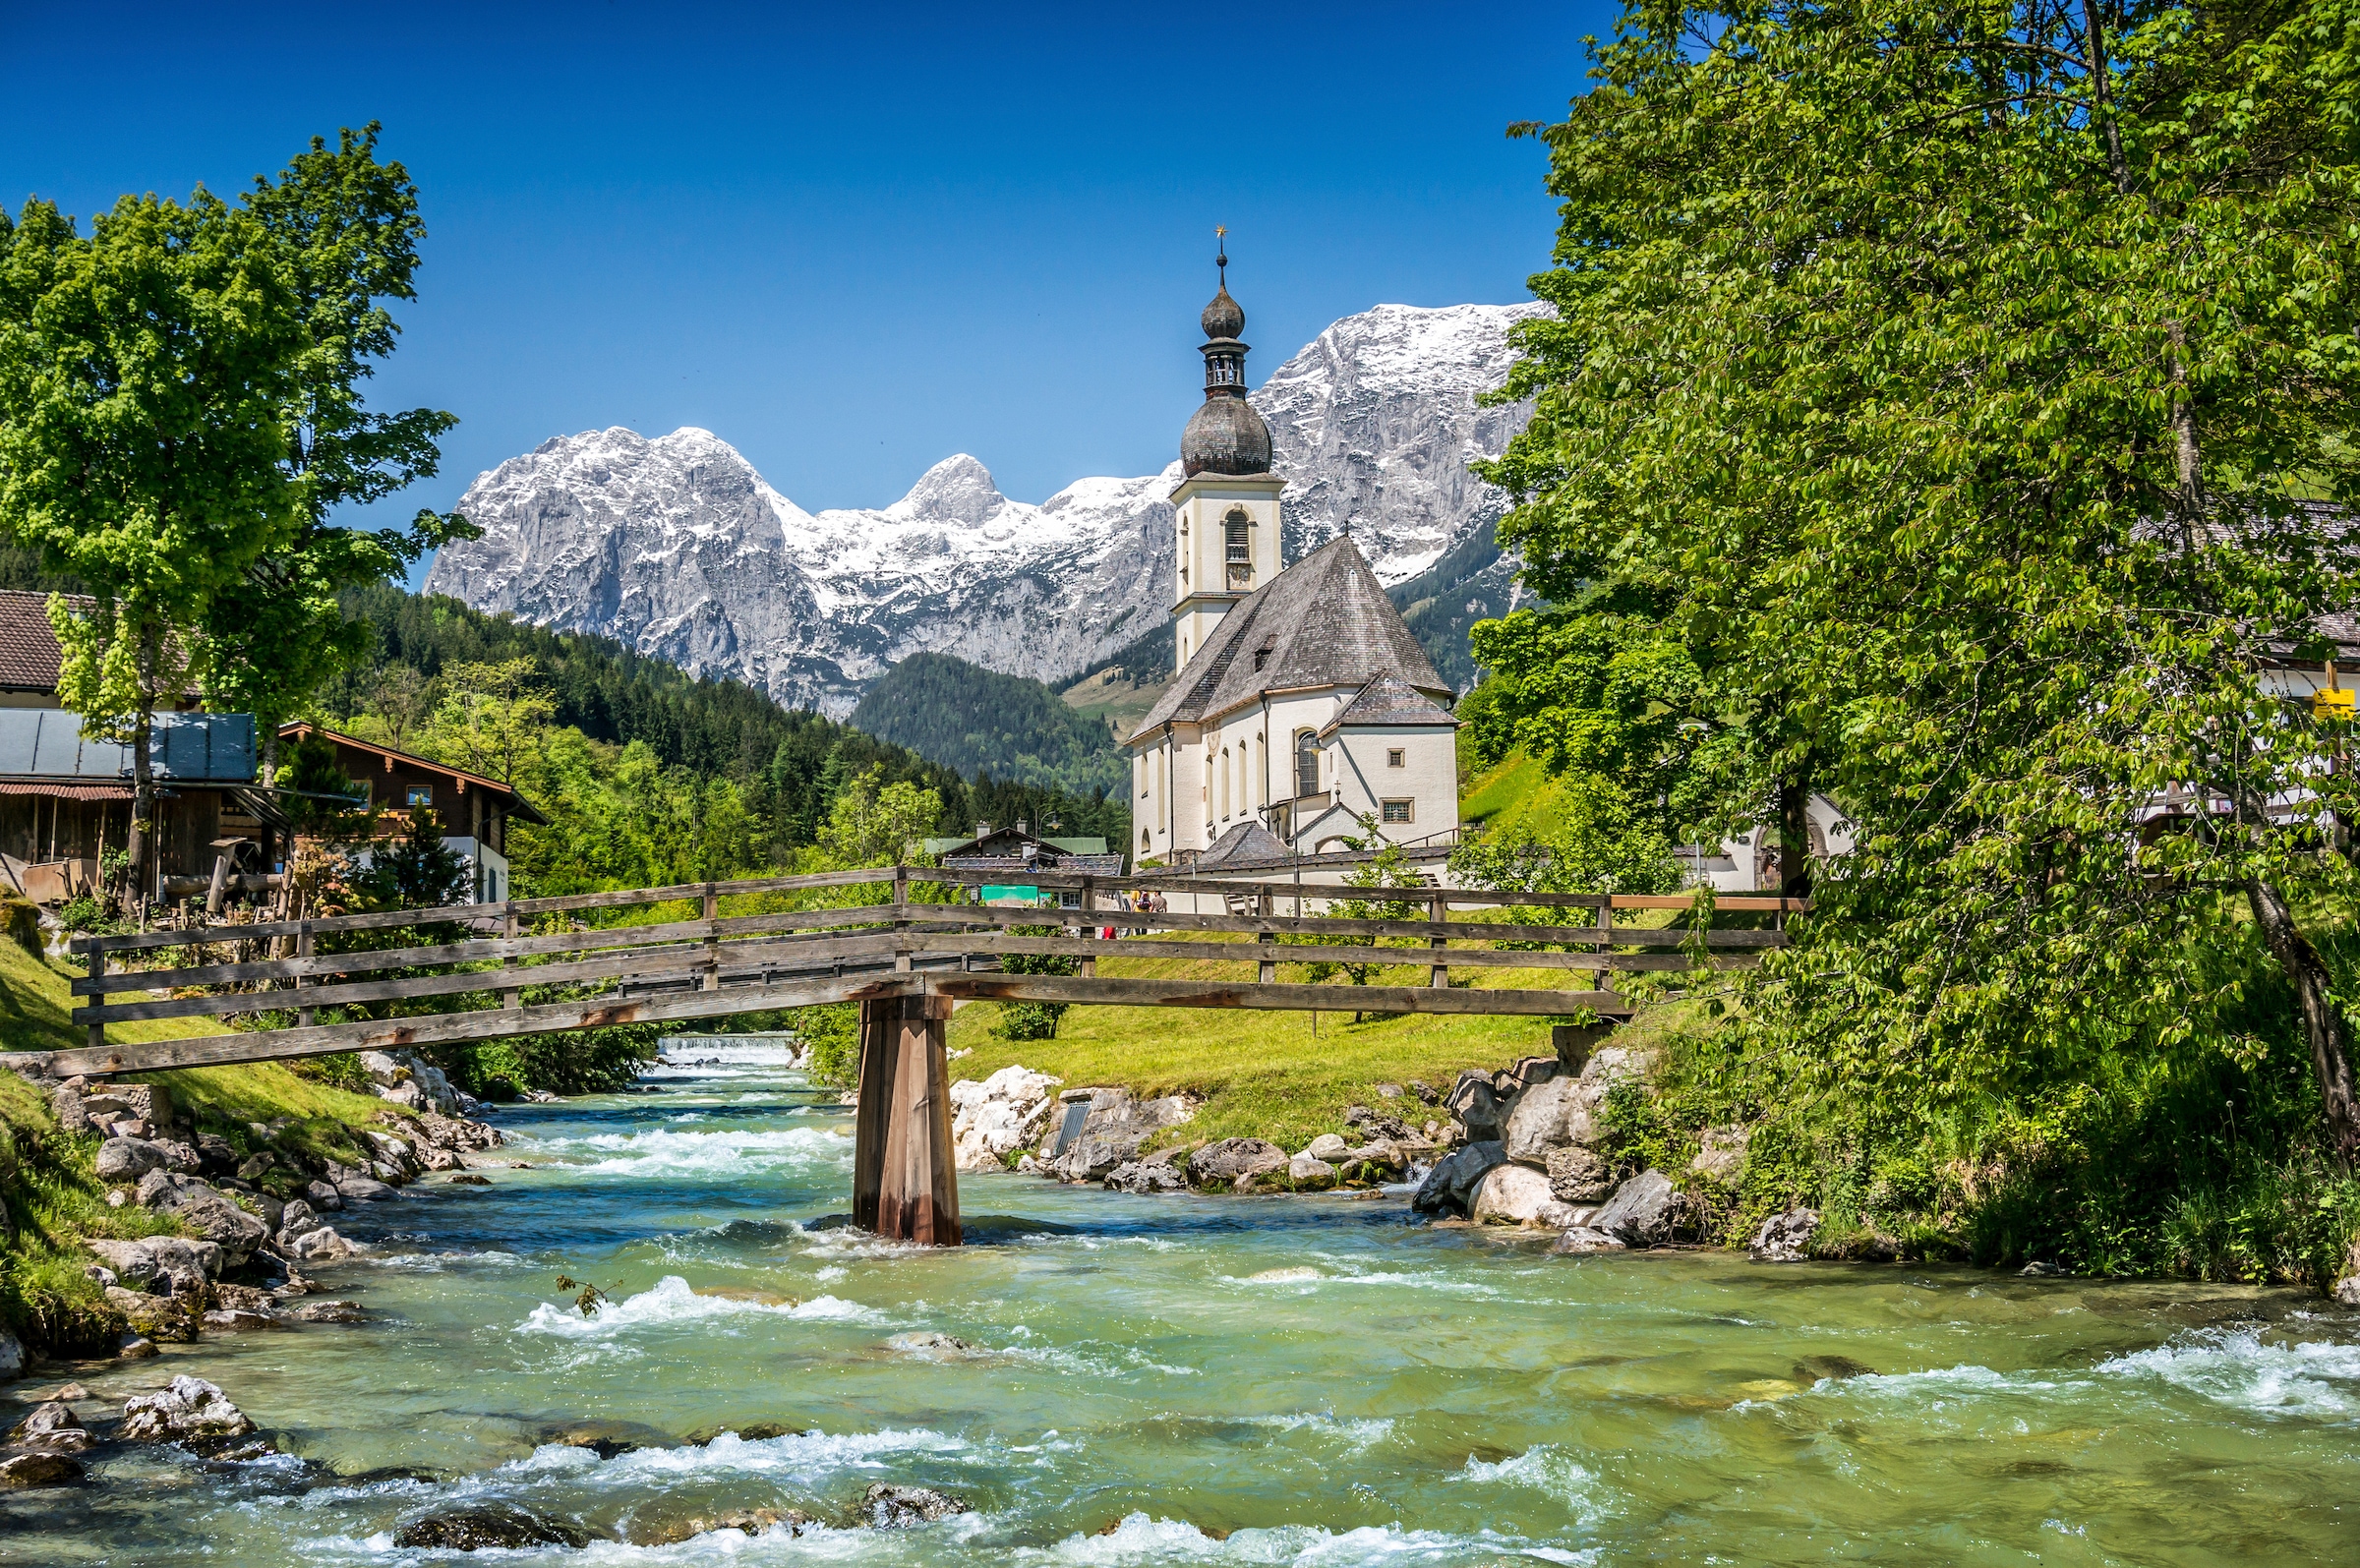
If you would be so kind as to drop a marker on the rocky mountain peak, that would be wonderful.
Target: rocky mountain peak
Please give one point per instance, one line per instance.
(678, 548)
(957, 490)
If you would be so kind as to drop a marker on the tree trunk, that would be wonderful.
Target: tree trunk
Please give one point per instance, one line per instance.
(1795, 835)
(2322, 1021)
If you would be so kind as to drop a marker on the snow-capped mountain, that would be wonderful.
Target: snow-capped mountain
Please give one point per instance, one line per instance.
(678, 548)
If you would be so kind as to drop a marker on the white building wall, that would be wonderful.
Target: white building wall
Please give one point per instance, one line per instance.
(1428, 776)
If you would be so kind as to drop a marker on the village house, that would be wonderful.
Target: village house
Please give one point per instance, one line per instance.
(472, 809)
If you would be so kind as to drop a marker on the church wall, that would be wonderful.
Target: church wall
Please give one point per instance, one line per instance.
(1428, 776)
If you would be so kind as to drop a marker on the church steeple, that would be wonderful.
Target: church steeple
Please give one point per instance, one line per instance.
(1227, 530)
(1225, 435)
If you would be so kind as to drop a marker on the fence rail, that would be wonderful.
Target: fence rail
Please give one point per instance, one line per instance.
(717, 966)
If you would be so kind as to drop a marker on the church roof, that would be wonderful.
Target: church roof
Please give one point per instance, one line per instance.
(1386, 700)
(1324, 621)
(1249, 841)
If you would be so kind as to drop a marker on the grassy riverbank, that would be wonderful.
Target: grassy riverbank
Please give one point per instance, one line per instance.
(53, 1196)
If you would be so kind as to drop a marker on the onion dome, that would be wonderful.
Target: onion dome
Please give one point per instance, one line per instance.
(1225, 435)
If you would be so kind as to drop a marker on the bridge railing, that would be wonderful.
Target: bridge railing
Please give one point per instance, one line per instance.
(716, 964)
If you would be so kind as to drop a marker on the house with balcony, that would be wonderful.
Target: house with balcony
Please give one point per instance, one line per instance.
(474, 810)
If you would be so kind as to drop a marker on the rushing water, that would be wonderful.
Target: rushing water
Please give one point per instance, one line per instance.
(1198, 1380)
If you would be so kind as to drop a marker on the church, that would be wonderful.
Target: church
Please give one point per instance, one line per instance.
(1303, 708)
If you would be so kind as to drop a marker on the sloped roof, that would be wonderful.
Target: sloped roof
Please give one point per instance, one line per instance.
(1324, 621)
(1386, 700)
(1248, 841)
(28, 653)
(183, 748)
(517, 803)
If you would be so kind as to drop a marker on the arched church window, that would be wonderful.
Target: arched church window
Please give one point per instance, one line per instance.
(1307, 764)
(1236, 524)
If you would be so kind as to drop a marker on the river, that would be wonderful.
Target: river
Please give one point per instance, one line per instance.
(1167, 1380)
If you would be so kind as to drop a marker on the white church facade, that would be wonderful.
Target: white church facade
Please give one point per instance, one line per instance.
(1303, 712)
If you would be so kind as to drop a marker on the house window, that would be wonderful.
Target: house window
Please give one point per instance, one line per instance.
(1392, 758)
(1396, 811)
(419, 795)
(1307, 764)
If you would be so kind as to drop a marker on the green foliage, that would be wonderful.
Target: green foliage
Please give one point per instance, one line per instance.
(973, 719)
(1950, 390)
(876, 823)
(1033, 1021)
(415, 870)
(833, 1034)
(324, 801)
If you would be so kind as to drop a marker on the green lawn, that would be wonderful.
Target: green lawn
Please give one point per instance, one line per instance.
(1282, 1075)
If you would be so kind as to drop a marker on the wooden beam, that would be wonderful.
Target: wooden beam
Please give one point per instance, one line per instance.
(1273, 998)
(1268, 952)
(488, 1023)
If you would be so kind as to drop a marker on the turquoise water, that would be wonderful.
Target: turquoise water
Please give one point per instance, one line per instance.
(1209, 1380)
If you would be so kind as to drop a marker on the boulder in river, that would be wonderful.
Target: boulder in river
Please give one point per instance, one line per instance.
(1644, 1211)
(174, 1262)
(1549, 1116)
(1223, 1162)
(190, 1407)
(891, 1507)
(1449, 1186)
(1509, 1193)
(52, 1427)
(1784, 1238)
(1145, 1176)
(500, 1526)
(363, 1189)
(1585, 1238)
(1309, 1175)
(320, 1245)
(27, 1471)
(651, 1529)
(1327, 1146)
(1114, 1128)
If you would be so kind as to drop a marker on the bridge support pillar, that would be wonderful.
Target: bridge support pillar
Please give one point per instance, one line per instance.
(905, 1186)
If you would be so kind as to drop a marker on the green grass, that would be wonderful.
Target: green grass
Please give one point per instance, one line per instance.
(1516, 793)
(1267, 1074)
(47, 1178)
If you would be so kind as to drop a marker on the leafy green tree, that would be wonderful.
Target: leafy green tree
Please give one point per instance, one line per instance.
(878, 823)
(1956, 385)
(145, 373)
(344, 229)
(494, 717)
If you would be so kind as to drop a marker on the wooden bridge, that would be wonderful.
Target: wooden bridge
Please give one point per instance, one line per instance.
(907, 960)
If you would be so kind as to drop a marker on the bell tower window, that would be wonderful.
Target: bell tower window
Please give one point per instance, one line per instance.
(1238, 548)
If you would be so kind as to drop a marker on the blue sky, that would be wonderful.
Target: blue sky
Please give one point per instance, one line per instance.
(850, 240)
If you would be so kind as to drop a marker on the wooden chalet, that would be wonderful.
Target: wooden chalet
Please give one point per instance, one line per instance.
(474, 810)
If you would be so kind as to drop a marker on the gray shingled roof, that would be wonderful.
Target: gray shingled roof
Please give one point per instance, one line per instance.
(1385, 700)
(1324, 621)
(1248, 841)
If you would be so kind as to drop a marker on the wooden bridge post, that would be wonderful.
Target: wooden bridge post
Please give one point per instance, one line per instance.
(905, 1186)
(901, 901)
(1605, 926)
(1438, 911)
(511, 998)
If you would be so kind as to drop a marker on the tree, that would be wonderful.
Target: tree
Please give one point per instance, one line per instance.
(1967, 390)
(877, 824)
(143, 376)
(493, 717)
(345, 231)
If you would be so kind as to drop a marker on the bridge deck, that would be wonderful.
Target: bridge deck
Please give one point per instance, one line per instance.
(716, 965)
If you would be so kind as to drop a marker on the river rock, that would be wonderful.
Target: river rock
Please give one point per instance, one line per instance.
(1645, 1210)
(1586, 1238)
(204, 1209)
(190, 1407)
(1380, 1160)
(500, 1526)
(179, 1265)
(165, 1318)
(135, 1347)
(1327, 1146)
(1374, 1124)
(127, 1159)
(459, 1135)
(1309, 1175)
(1517, 1194)
(27, 1471)
(891, 1507)
(52, 1427)
(324, 1196)
(1579, 1174)
(320, 1246)
(1549, 1116)
(1225, 1161)
(647, 1530)
(608, 1438)
(992, 1119)
(1113, 1131)
(1145, 1176)
(1475, 1104)
(363, 1189)
(1784, 1238)
(296, 1218)
(2346, 1289)
(331, 1311)
(1448, 1186)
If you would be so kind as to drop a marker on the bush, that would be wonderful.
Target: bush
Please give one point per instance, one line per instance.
(832, 1034)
